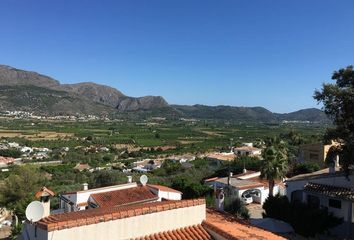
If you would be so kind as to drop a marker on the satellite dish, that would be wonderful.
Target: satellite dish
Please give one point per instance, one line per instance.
(143, 179)
(34, 211)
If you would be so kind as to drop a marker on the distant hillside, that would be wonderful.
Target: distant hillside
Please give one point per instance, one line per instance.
(90, 92)
(34, 92)
(47, 101)
(310, 114)
(95, 92)
(255, 114)
(227, 113)
(10, 76)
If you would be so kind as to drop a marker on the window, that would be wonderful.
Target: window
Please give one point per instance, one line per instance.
(313, 201)
(334, 203)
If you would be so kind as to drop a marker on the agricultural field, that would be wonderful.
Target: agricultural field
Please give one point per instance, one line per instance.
(169, 136)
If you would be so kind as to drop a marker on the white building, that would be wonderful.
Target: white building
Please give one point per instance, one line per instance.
(245, 183)
(173, 220)
(248, 150)
(117, 195)
(26, 150)
(327, 188)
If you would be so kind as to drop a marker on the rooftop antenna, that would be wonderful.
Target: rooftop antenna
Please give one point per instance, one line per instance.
(231, 144)
(34, 211)
(143, 180)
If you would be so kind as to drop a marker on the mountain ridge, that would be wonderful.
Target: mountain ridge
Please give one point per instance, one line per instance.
(46, 94)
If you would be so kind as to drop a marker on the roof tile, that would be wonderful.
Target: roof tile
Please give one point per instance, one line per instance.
(232, 228)
(331, 191)
(196, 232)
(96, 215)
(124, 197)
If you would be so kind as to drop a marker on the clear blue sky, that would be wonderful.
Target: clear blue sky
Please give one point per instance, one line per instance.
(245, 53)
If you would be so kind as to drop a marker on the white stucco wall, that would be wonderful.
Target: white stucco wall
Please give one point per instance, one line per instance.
(83, 196)
(128, 228)
(343, 212)
(169, 195)
(335, 180)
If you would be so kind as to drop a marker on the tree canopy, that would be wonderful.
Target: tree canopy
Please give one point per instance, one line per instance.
(338, 104)
(274, 166)
(17, 191)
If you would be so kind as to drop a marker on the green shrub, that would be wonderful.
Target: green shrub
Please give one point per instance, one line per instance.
(14, 153)
(236, 207)
(306, 167)
(305, 219)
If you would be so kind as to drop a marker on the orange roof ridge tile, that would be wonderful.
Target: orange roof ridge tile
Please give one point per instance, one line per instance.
(96, 215)
(196, 232)
(231, 228)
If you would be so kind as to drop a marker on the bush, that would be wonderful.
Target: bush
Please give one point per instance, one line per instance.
(236, 166)
(14, 153)
(190, 188)
(16, 231)
(305, 219)
(306, 167)
(236, 207)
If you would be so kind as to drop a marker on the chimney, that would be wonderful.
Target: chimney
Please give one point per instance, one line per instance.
(44, 196)
(219, 199)
(332, 166)
(85, 186)
(337, 161)
(130, 179)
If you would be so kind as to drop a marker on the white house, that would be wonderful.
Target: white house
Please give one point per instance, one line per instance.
(245, 183)
(247, 150)
(117, 195)
(328, 188)
(26, 149)
(173, 220)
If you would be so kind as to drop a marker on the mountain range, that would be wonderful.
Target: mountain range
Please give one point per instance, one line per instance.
(33, 92)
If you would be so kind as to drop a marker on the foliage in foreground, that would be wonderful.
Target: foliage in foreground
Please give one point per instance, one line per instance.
(18, 189)
(338, 102)
(305, 219)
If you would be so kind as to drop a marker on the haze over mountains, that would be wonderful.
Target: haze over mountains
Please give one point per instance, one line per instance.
(30, 91)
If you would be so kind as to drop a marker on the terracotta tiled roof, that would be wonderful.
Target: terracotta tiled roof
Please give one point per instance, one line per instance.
(248, 172)
(211, 179)
(124, 197)
(331, 191)
(196, 232)
(6, 160)
(82, 166)
(97, 215)
(44, 192)
(234, 229)
(163, 188)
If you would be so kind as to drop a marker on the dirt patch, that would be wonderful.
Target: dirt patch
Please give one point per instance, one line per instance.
(35, 136)
(129, 147)
(210, 133)
(188, 142)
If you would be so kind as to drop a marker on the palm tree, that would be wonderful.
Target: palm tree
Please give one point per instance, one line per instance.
(274, 167)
